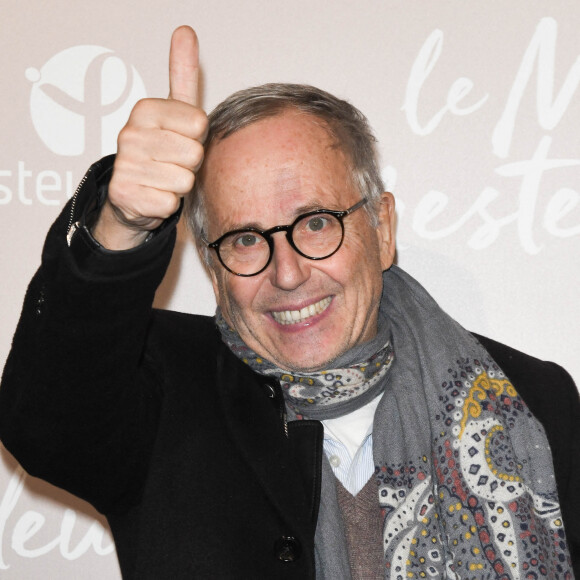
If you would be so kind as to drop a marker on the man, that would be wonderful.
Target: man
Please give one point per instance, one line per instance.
(202, 440)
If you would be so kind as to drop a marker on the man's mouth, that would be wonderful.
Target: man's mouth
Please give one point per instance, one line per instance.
(297, 316)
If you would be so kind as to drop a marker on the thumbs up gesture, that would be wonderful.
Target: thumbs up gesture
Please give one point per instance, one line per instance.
(158, 153)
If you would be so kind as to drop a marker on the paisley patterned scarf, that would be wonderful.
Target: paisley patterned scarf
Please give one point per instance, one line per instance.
(464, 472)
(351, 381)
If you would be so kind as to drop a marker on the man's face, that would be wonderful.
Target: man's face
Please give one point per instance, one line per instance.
(266, 175)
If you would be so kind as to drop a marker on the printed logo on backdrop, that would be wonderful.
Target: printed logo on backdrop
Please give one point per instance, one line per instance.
(80, 98)
(556, 212)
(21, 531)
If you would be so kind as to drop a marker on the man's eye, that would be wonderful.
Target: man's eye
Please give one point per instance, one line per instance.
(246, 241)
(316, 223)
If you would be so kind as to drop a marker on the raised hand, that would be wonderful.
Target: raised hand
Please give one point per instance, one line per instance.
(158, 152)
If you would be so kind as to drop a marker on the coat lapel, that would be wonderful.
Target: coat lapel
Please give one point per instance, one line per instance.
(258, 433)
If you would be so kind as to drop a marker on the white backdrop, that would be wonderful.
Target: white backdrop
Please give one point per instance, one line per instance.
(476, 106)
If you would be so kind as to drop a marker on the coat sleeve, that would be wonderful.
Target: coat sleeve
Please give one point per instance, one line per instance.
(79, 400)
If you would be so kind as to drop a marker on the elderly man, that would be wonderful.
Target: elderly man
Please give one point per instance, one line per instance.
(331, 421)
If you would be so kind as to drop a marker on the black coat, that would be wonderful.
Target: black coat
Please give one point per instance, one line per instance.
(149, 417)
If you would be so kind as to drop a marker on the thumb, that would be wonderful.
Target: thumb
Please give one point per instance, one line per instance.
(184, 65)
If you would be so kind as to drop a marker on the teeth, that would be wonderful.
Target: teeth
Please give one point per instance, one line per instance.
(294, 316)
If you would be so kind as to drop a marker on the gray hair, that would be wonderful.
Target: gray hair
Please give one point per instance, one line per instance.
(345, 123)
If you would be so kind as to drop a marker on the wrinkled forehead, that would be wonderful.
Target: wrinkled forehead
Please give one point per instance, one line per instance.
(276, 167)
(337, 136)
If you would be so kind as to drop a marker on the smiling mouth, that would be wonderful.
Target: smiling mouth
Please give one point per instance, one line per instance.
(297, 316)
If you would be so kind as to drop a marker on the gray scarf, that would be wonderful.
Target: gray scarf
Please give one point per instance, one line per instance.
(464, 471)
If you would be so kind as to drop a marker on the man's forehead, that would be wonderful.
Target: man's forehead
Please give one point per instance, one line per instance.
(287, 180)
(282, 121)
(275, 146)
(271, 171)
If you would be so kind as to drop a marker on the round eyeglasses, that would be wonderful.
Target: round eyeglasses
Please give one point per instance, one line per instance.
(315, 235)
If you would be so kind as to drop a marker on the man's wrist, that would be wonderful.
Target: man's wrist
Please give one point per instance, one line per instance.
(113, 235)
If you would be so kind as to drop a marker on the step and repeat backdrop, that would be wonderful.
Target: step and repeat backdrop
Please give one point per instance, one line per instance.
(476, 107)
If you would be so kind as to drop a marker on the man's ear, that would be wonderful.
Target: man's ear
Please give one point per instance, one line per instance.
(386, 230)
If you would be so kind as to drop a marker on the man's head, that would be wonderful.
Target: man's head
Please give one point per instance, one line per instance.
(274, 153)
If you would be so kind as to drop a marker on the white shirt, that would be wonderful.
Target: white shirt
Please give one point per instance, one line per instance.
(348, 445)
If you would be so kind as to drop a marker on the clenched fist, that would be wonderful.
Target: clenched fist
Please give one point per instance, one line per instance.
(159, 151)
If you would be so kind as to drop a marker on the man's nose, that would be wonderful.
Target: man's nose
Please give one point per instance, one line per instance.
(288, 268)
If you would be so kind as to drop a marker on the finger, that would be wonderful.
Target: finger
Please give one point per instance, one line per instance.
(170, 115)
(153, 204)
(132, 178)
(184, 65)
(170, 147)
